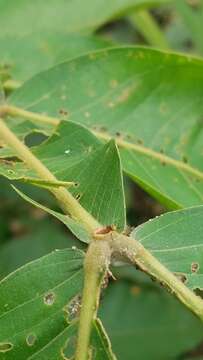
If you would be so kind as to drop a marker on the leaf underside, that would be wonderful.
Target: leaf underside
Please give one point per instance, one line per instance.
(74, 153)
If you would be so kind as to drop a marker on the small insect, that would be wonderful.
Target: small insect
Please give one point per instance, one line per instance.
(105, 230)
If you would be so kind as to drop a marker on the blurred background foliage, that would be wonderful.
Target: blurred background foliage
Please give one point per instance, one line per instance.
(138, 314)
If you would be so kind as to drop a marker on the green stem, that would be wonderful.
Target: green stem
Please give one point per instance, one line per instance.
(148, 27)
(65, 199)
(138, 255)
(18, 112)
(96, 264)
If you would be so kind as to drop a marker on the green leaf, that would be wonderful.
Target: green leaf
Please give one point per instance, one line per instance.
(32, 312)
(77, 229)
(74, 153)
(27, 17)
(147, 101)
(152, 324)
(175, 239)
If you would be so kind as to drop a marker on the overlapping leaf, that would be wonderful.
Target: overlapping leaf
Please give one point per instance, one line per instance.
(42, 32)
(26, 17)
(74, 153)
(150, 101)
(41, 51)
(176, 240)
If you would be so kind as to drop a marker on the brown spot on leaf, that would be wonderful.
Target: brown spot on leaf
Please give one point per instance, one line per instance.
(63, 112)
(135, 290)
(185, 159)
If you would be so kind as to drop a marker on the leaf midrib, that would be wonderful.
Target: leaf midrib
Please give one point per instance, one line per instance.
(153, 154)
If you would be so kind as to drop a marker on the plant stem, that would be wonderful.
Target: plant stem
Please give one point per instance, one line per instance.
(65, 199)
(18, 112)
(138, 255)
(96, 264)
(148, 27)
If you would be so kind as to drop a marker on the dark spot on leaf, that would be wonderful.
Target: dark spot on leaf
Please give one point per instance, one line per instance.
(140, 141)
(118, 133)
(49, 298)
(63, 112)
(185, 159)
(30, 339)
(76, 184)
(163, 163)
(78, 196)
(198, 292)
(103, 128)
(194, 267)
(4, 347)
(182, 278)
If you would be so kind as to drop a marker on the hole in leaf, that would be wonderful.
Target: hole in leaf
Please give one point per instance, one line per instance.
(72, 309)
(78, 196)
(182, 278)
(4, 347)
(69, 350)
(11, 172)
(49, 298)
(194, 267)
(34, 139)
(31, 339)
